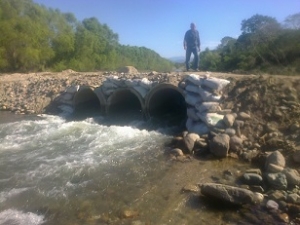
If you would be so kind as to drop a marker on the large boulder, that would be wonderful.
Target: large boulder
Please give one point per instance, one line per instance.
(128, 69)
(231, 194)
(219, 145)
(275, 162)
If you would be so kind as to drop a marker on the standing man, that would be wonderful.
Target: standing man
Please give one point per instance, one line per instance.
(191, 44)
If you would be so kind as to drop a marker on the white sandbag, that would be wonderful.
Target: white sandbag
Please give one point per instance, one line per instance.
(192, 99)
(208, 107)
(215, 83)
(109, 84)
(211, 119)
(132, 83)
(110, 78)
(196, 127)
(192, 88)
(145, 83)
(192, 113)
(141, 90)
(72, 89)
(207, 96)
(195, 79)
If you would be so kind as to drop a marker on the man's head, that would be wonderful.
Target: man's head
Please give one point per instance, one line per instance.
(193, 26)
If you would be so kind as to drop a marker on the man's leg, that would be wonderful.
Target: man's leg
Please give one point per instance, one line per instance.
(196, 59)
(187, 58)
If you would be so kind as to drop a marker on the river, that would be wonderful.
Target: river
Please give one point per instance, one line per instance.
(57, 171)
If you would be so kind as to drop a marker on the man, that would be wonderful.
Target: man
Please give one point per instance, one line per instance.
(191, 44)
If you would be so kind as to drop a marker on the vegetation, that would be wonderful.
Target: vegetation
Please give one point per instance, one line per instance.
(36, 38)
(265, 46)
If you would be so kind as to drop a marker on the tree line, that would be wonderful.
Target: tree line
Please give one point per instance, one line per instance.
(36, 38)
(264, 46)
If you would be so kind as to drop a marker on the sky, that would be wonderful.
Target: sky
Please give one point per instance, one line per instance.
(160, 25)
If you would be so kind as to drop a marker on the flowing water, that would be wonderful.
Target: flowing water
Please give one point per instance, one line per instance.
(54, 171)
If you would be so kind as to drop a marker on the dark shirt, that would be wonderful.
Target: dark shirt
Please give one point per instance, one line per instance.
(192, 39)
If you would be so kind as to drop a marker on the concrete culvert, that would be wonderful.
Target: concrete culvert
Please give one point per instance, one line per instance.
(86, 103)
(166, 103)
(125, 105)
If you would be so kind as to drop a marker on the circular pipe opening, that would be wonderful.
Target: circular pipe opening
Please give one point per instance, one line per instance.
(125, 105)
(86, 104)
(167, 105)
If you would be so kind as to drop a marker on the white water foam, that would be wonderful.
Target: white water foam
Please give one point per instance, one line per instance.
(12, 193)
(49, 153)
(16, 217)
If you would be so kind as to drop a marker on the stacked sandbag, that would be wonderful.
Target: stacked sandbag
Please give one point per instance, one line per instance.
(112, 83)
(202, 95)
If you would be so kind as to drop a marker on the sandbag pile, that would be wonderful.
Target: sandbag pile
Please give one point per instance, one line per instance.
(142, 86)
(202, 95)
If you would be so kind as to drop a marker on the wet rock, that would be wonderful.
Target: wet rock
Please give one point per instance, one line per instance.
(176, 152)
(277, 181)
(249, 155)
(275, 162)
(219, 145)
(128, 213)
(190, 188)
(252, 179)
(230, 194)
(254, 170)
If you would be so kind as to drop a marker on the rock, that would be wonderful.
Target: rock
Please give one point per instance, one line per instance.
(293, 198)
(236, 143)
(243, 116)
(176, 152)
(277, 181)
(230, 194)
(239, 123)
(272, 205)
(292, 176)
(249, 155)
(190, 140)
(219, 145)
(275, 162)
(296, 156)
(128, 69)
(256, 171)
(129, 213)
(252, 179)
(190, 188)
(230, 131)
(229, 120)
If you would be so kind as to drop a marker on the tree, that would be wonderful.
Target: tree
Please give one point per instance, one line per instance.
(293, 21)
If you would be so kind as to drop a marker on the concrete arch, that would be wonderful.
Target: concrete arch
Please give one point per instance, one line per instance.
(125, 101)
(88, 102)
(166, 102)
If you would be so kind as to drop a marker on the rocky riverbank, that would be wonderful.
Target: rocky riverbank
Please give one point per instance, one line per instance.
(262, 128)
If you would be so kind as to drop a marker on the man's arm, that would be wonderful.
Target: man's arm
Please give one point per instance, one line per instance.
(184, 41)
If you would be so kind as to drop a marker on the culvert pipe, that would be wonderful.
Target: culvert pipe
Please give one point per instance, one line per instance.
(88, 102)
(125, 104)
(165, 102)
